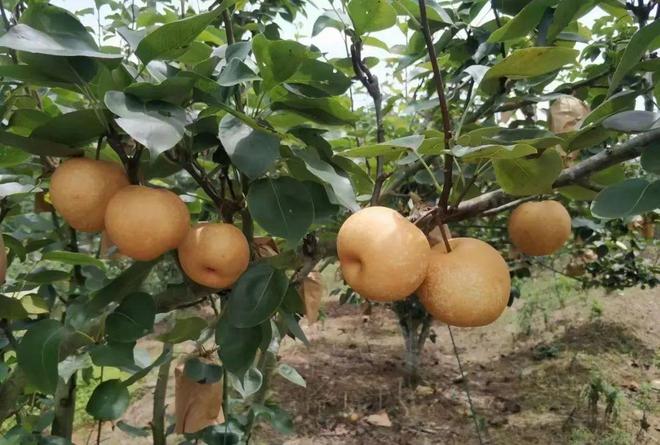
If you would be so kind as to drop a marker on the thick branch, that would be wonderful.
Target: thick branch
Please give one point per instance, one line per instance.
(444, 108)
(631, 149)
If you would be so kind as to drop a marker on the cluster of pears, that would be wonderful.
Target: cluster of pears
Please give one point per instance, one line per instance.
(384, 257)
(145, 222)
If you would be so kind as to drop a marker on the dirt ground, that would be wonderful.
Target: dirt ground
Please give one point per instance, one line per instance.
(526, 389)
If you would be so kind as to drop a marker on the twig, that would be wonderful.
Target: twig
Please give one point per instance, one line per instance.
(372, 85)
(444, 108)
(466, 386)
(160, 394)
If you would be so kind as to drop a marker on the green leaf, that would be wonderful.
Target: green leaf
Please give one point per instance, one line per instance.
(637, 47)
(33, 76)
(324, 110)
(133, 319)
(321, 76)
(613, 105)
(391, 148)
(492, 151)
(184, 329)
(256, 295)
(249, 384)
(282, 206)
(117, 355)
(25, 38)
(45, 276)
(237, 346)
(127, 282)
(133, 430)
(11, 157)
(109, 400)
(15, 188)
(158, 126)
(171, 38)
(651, 159)
(566, 12)
(72, 364)
(628, 198)
(74, 129)
(202, 372)
(340, 186)
(277, 59)
(38, 354)
(521, 177)
(73, 258)
(632, 121)
(294, 328)
(175, 90)
(371, 15)
(524, 22)
(290, 373)
(37, 146)
(235, 72)
(434, 12)
(252, 151)
(329, 19)
(12, 309)
(528, 62)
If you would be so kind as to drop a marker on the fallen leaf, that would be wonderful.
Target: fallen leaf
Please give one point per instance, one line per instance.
(380, 419)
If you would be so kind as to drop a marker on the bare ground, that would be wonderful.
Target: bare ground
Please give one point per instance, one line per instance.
(526, 389)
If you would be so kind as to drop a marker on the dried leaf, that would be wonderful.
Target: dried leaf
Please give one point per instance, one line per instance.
(41, 205)
(380, 419)
(265, 247)
(197, 405)
(566, 114)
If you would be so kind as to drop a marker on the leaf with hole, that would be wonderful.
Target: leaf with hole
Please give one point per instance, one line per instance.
(277, 60)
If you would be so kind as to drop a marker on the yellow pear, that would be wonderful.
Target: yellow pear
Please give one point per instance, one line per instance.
(145, 222)
(81, 188)
(214, 255)
(539, 228)
(468, 286)
(383, 256)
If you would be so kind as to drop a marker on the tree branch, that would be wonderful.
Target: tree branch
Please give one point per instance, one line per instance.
(631, 149)
(370, 82)
(444, 108)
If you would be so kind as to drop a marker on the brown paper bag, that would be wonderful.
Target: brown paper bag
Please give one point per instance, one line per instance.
(197, 405)
(312, 291)
(566, 114)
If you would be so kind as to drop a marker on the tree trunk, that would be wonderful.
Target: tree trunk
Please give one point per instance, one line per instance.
(65, 407)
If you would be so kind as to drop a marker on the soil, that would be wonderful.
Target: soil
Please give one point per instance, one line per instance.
(526, 389)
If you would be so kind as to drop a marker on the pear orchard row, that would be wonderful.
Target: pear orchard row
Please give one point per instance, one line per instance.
(383, 256)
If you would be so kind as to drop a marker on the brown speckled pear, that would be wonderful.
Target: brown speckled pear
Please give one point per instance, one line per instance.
(81, 188)
(539, 228)
(383, 256)
(467, 287)
(214, 255)
(145, 222)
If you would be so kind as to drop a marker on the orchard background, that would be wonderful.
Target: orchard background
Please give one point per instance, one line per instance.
(450, 112)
